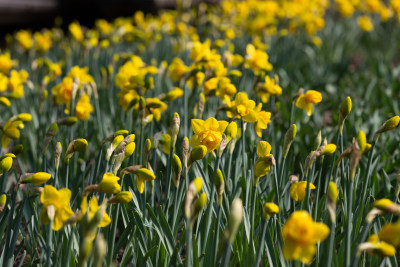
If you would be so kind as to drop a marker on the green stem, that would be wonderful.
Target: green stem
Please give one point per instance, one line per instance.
(368, 173)
(356, 258)
(49, 242)
(111, 239)
(349, 220)
(331, 244)
(261, 244)
(318, 185)
(227, 255)
(291, 114)
(276, 186)
(188, 243)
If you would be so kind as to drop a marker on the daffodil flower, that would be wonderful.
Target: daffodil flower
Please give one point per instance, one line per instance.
(298, 190)
(207, 133)
(92, 209)
(59, 199)
(306, 101)
(300, 235)
(242, 107)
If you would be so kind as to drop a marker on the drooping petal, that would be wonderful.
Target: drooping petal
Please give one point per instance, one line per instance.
(140, 184)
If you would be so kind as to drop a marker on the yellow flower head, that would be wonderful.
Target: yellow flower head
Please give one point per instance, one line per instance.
(242, 107)
(156, 107)
(365, 23)
(92, 209)
(177, 69)
(124, 197)
(263, 149)
(5, 63)
(76, 31)
(62, 91)
(298, 190)
(43, 41)
(175, 93)
(142, 175)
(263, 119)
(24, 38)
(268, 89)
(306, 101)
(59, 199)
(83, 108)
(16, 83)
(257, 60)
(6, 162)
(390, 233)
(269, 209)
(109, 184)
(300, 235)
(207, 133)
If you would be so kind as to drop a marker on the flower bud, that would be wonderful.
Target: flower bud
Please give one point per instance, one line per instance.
(68, 121)
(57, 155)
(109, 184)
(269, 209)
(176, 168)
(231, 131)
(362, 142)
(219, 185)
(197, 153)
(146, 150)
(118, 139)
(122, 197)
(193, 189)
(37, 178)
(100, 249)
(6, 162)
(185, 151)
(5, 101)
(234, 220)
(388, 206)
(200, 105)
(328, 149)
(389, 125)
(198, 205)
(317, 141)
(174, 128)
(332, 196)
(287, 141)
(3, 200)
(344, 111)
(25, 117)
(77, 145)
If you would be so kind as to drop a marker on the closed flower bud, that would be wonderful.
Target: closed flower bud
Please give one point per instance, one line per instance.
(80, 145)
(6, 162)
(231, 131)
(175, 123)
(269, 209)
(185, 151)
(121, 132)
(219, 185)
(317, 140)
(234, 220)
(117, 139)
(146, 150)
(3, 200)
(332, 196)
(389, 125)
(193, 189)
(57, 154)
(100, 249)
(199, 204)
(68, 121)
(287, 141)
(122, 197)
(176, 168)
(173, 94)
(388, 206)
(362, 142)
(345, 109)
(25, 117)
(109, 184)
(197, 153)
(37, 178)
(5, 101)
(328, 149)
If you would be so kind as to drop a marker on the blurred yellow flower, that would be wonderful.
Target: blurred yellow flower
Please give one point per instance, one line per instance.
(83, 108)
(76, 31)
(269, 88)
(5, 63)
(390, 233)
(256, 60)
(207, 133)
(16, 83)
(263, 119)
(365, 23)
(300, 235)
(298, 190)
(156, 107)
(92, 209)
(59, 199)
(24, 38)
(242, 107)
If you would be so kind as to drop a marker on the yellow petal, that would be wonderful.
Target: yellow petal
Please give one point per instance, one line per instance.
(251, 117)
(140, 184)
(321, 232)
(222, 126)
(197, 125)
(49, 195)
(211, 124)
(195, 141)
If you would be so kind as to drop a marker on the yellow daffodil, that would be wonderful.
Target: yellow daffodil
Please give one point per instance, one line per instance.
(207, 133)
(5, 63)
(263, 119)
(242, 107)
(365, 23)
(83, 108)
(76, 31)
(156, 107)
(269, 88)
(298, 190)
(43, 41)
(256, 60)
(16, 83)
(24, 39)
(59, 199)
(362, 142)
(306, 101)
(177, 69)
(373, 246)
(92, 209)
(390, 233)
(142, 175)
(300, 235)
(264, 162)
